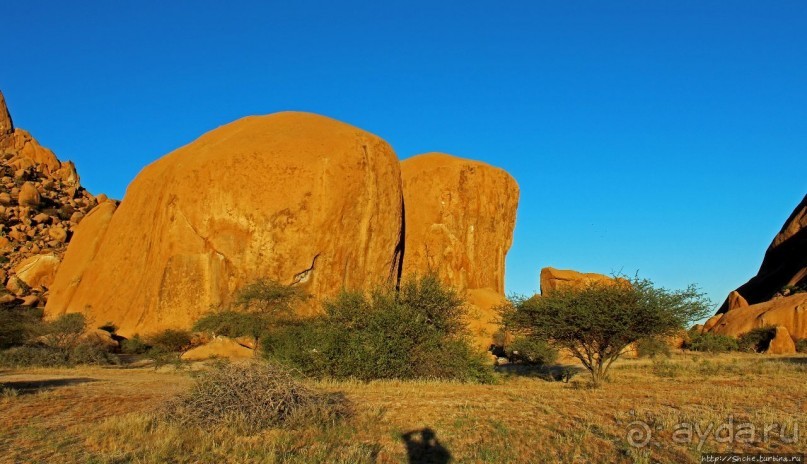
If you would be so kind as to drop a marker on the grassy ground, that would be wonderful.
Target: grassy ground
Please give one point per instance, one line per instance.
(112, 415)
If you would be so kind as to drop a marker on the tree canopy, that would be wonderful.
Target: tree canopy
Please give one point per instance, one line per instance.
(596, 323)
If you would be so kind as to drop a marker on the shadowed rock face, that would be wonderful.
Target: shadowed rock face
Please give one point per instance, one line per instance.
(785, 262)
(295, 197)
(460, 216)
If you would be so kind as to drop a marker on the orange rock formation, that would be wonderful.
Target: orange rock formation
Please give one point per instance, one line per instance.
(296, 197)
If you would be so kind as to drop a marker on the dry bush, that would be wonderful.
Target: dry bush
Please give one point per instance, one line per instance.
(254, 396)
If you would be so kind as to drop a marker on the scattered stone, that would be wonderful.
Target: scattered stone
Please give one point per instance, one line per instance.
(58, 234)
(29, 195)
(35, 189)
(30, 300)
(16, 286)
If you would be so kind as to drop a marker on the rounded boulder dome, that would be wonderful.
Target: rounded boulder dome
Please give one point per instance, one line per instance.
(295, 197)
(460, 217)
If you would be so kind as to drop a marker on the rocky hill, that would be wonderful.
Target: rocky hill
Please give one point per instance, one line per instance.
(784, 267)
(41, 203)
(777, 295)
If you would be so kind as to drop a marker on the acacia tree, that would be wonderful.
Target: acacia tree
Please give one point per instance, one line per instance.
(269, 296)
(596, 323)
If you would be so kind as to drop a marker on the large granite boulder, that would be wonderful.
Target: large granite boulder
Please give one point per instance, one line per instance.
(295, 197)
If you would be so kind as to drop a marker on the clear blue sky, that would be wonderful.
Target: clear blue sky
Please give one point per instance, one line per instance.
(668, 137)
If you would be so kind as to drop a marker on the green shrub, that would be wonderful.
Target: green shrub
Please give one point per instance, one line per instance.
(757, 340)
(66, 331)
(711, 343)
(134, 345)
(255, 396)
(18, 324)
(414, 333)
(233, 324)
(801, 345)
(169, 340)
(527, 350)
(652, 347)
(49, 356)
(92, 354)
(269, 296)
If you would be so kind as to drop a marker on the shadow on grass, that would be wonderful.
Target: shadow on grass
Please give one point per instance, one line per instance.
(550, 373)
(422, 447)
(33, 386)
(794, 360)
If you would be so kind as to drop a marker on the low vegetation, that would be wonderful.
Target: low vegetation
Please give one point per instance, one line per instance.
(28, 340)
(710, 342)
(414, 333)
(757, 340)
(169, 340)
(531, 351)
(598, 322)
(234, 324)
(252, 397)
(269, 296)
(653, 347)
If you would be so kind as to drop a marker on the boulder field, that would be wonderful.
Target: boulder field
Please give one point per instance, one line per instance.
(41, 206)
(296, 197)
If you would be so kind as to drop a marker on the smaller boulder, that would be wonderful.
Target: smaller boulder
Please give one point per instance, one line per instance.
(41, 218)
(58, 234)
(782, 342)
(554, 279)
(736, 300)
(37, 271)
(76, 217)
(219, 347)
(30, 301)
(101, 337)
(16, 286)
(29, 195)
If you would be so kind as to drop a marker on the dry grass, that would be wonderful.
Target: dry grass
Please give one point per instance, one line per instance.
(253, 396)
(109, 416)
